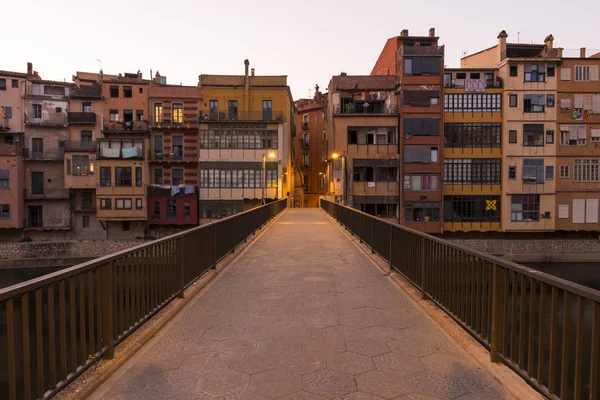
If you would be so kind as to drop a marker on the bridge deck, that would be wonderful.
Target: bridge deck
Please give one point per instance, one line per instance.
(301, 314)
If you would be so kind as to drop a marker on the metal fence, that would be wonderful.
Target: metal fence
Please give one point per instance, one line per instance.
(54, 327)
(545, 328)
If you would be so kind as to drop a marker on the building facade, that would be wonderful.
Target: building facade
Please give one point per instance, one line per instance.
(362, 134)
(418, 63)
(245, 142)
(309, 150)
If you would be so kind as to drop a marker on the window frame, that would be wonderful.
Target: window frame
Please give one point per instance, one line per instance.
(5, 215)
(105, 203)
(564, 172)
(127, 92)
(120, 181)
(124, 201)
(512, 97)
(513, 70)
(114, 91)
(105, 181)
(512, 136)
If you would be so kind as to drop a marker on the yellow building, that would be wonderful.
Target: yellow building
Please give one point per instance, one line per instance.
(529, 76)
(472, 149)
(245, 126)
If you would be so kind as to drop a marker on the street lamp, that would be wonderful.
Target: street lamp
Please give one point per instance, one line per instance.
(335, 156)
(264, 173)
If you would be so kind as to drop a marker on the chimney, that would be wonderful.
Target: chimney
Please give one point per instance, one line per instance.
(559, 52)
(29, 69)
(404, 33)
(549, 41)
(502, 42)
(246, 87)
(199, 81)
(139, 74)
(252, 72)
(343, 74)
(582, 52)
(431, 32)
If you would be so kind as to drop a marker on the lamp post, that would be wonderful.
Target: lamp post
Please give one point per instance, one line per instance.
(264, 174)
(344, 183)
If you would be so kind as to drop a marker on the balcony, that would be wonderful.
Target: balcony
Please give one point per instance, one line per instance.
(81, 118)
(77, 145)
(423, 51)
(162, 191)
(43, 155)
(8, 150)
(168, 124)
(47, 223)
(7, 125)
(226, 116)
(305, 126)
(48, 121)
(47, 194)
(365, 107)
(529, 52)
(157, 156)
(125, 127)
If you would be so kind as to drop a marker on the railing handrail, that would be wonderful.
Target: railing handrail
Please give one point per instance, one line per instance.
(23, 287)
(572, 287)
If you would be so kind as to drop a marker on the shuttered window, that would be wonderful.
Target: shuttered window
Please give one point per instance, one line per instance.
(563, 211)
(591, 211)
(565, 74)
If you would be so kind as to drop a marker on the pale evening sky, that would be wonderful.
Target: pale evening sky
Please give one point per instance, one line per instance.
(307, 40)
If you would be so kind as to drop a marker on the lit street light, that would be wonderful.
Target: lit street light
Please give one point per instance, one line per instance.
(264, 173)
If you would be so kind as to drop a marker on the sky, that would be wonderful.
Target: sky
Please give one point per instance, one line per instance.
(307, 40)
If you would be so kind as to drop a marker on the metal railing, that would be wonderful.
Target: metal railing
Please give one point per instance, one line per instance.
(81, 117)
(44, 194)
(56, 326)
(78, 145)
(129, 126)
(169, 124)
(43, 154)
(545, 328)
(423, 50)
(226, 116)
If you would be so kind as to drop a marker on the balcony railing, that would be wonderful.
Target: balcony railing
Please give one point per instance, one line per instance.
(14, 150)
(423, 50)
(123, 127)
(50, 121)
(53, 194)
(45, 154)
(528, 52)
(77, 145)
(168, 124)
(226, 116)
(171, 157)
(366, 107)
(47, 223)
(81, 117)
(461, 83)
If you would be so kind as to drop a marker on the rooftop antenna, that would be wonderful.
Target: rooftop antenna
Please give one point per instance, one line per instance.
(519, 35)
(99, 63)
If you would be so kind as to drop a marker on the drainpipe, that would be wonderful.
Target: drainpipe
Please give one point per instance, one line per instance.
(246, 88)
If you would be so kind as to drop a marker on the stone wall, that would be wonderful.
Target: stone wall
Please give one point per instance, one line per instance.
(64, 249)
(531, 246)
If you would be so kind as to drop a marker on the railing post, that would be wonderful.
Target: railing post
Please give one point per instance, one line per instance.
(391, 242)
(233, 249)
(351, 217)
(499, 277)
(215, 247)
(360, 235)
(423, 269)
(245, 228)
(181, 266)
(107, 311)
(372, 235)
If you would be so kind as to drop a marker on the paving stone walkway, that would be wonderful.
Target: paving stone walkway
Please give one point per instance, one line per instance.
(302, 315)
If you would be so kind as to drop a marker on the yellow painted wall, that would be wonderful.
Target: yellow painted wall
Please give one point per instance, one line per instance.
(115, 192)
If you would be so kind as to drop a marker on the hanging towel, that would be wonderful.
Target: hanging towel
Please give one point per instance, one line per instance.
(110, 153)
(129, 152)
(189, 189)
(174, 190)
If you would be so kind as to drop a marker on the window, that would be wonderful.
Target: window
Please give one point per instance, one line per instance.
(564, 171)
(512, 136)
(422, 66)
(421, 126)
(478, 171)
(58, 110)
(512, 173)
(585, 211)
(139, 204)
(87, 200)
(54, 90)
(549, 137)
(36, 110)
(585, 170)
(15, 83)
(105, 176)
(85, 221)
(158, 113)
(534, 103)
(177, 114)
(533, 135)
(122, 176)
(472, 102)
(4, 179)
(533, 170)
(105, 204)
(2, 84)
(573, 135)
(177, 175)
(421, 212)
(267, 110)
(563, 211)
(550, 100)
(475, 75)
(368, 170)
(126, 226)
(512, 100)
(138, 176)
(420, 154)
(305, 118)
(158, 176)
(127, 91)
(549, 172)
(551, 70)
(305, 160)
(565, 74)
(37, 145)
(595, 135)
(582, 73)
(232, 108)
(513, 70)
(380, 206)
(535, 72)
(171, 210)
(114, 91)
(214, 109)
(421, 183)
(123, 204)
(156, 210)
(141, 90)
(187, 209)
(472, 208)
(325, 135)
(82, 165)
(139, 115)
(177, 148)
(114, 115)
(219, 208)
(525, 207)
(472, 135)
(4, 211)
(421, 98)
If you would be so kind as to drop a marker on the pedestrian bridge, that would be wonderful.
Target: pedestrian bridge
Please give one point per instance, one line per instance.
(303, 312)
